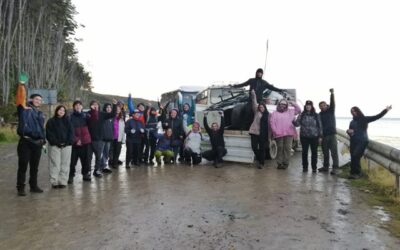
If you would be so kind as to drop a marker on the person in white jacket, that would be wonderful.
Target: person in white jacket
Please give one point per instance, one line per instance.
(192, 149)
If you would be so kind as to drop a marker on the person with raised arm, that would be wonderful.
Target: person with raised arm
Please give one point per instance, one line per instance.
(359, 137)
(216, 134)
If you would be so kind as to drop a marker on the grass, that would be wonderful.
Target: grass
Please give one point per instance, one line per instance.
(8, 134)
(378, 189)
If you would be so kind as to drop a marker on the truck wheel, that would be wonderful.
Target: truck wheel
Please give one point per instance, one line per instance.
(271, 150)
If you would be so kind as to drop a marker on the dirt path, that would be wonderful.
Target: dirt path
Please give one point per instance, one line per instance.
(181, 207)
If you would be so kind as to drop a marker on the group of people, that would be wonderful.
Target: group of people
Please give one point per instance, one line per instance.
(100, 133)
(80, 135)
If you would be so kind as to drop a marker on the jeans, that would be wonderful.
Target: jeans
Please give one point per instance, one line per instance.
(28, 153)
(96, 148)
(258, 146)
(313, 144)
(106, 154)
(80, 153)
(215, 154)
(329, 144)
(357, 149)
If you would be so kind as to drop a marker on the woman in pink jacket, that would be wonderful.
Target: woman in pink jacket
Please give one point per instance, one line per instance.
(283, 130)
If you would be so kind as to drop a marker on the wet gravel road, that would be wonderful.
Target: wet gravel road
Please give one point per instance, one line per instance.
(184, 207)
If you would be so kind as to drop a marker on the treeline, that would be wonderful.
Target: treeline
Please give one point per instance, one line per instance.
(37, 37)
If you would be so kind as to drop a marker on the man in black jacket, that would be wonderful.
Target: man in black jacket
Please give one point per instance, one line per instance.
(32, 138)
(216, 134)
(329, 140)
(259, 85)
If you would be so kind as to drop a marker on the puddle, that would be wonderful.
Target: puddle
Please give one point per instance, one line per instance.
(381, 213)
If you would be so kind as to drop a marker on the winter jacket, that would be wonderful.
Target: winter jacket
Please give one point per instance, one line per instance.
(151, 124)
(216, 137)
(108, 130)
(30, 122)
(310, 125)
(260, 122)
(188, 115)
(164, 142)
(193, 139)
(59, 131)
(81, 131)
(96, 123)
(259, 85)
(176, 125)
(281, 123)
(360, 125)
(328, 119)
(134, 130)
(119, 129)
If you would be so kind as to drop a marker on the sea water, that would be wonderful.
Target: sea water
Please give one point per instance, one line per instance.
(384, 130)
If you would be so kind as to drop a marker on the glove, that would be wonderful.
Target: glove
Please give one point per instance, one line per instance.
(133, 131)
(141, 130)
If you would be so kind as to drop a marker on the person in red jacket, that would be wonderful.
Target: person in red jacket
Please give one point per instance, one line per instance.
(81, 143)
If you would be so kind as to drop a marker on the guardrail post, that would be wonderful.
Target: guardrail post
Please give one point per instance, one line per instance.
(398, 184)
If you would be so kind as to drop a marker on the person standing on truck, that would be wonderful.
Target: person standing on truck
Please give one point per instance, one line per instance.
(310, 135)
(259, 85)
(283, 130)
(216, 134)
(329, 140)
(259, 130)
(359, 137)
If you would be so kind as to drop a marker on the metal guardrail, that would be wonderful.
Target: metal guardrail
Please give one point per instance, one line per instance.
(384, 155)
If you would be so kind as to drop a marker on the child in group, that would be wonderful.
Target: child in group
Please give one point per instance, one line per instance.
(164, 147)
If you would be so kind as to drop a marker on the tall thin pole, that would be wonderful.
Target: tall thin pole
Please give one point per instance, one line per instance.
(266, 54)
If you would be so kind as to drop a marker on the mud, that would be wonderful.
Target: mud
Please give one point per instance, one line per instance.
(182, 207)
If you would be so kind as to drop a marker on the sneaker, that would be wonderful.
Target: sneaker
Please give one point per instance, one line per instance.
(323, 169)
(334, 171)
(258, 164)
(107, 171)
(305, 170)
(314, 170)
(97, 174)
(120, 162)
(127, 166)
(36, 190)
(54, 186)
(62, 186)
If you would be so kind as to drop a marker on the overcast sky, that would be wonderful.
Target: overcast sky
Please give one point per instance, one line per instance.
(151, 47)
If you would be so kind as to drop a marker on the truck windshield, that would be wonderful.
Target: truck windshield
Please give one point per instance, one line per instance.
(216, 94)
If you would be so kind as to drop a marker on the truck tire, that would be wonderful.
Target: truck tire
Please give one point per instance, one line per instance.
(271, 150)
